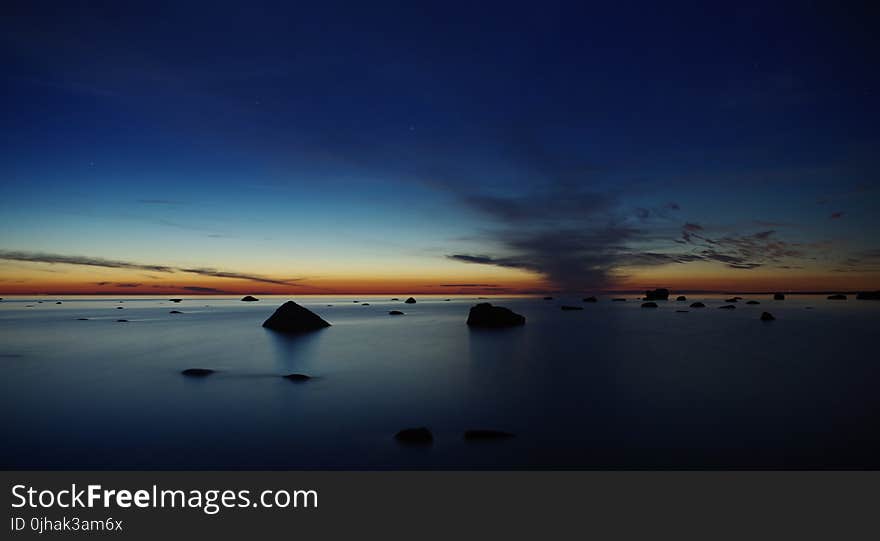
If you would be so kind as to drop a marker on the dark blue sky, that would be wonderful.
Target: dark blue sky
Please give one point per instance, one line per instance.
(582, 145)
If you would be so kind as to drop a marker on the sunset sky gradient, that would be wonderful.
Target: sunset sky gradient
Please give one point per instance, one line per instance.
(438, 148)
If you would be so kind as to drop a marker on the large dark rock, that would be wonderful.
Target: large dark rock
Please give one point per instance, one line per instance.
(248, 298)
(836, 297)
(778, 297)
(591, 299)
(681, 298)
(697, 305)
(565, 307)
(487, 435)
(486, 315)
(660, 294)
(293, 318)
(410, 301)
(862, 296)
(767, 316)
(415, 436)
(197, 372)
(649, 305)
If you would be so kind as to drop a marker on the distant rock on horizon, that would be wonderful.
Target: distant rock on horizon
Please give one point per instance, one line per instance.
(410, 301)
(249, 298)
(659, 294)
(197, 372)
(488, 316)
(697, 305)
(649, 305)
(778, 297)
(752, 302)
(681, 298)
(591, 299)
(395, 313)
(862, 295)
(727, 307)
(837, 297)
(566, 307)
(293, 318)
(415, 436)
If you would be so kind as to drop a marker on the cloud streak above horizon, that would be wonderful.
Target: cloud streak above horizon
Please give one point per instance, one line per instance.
(59, 259)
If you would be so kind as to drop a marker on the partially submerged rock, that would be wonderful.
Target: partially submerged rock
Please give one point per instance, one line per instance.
(121, 321)
(395, 313)
(175, 300)
(486, 315)
(649, 305)
(59, 302)
(837, 297)
(767, 316)
(862, 296)
(248, 298)
(293, 318)
(732, 299)
(697, 305)
(197, 372)
(681, 298)
(619, 299)
(365, 304)
(565, 307)
(659, 294)
(778, 297)
(395, 299)
(591, 299)
(548, 298)
(487, 435)
(752, 302)
(175, 312)
(82, 319)
(727, 307)
(410, 301)
(415, 436)
(297, 378)
(682, 311)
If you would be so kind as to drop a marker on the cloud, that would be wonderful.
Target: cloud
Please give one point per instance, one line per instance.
(39, 257)
(203, 289)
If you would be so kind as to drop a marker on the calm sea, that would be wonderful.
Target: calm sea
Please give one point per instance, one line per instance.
(612, 386)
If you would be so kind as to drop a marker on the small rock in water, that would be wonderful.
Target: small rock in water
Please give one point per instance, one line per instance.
(836, 297)
(175, 300)
(752, 302)
(767, 316)
(415, 436)
(197, 372)
(395, 313)
(410, 301)
(681, 298)
(564, 307)
(778, 297)
(395, 299)
(365, 304)
(121, 321)
(548, 298)
(487, 435)
(649, 305)
(175, 312)
(249, 298)
(119, 307)
(660, 294)
(591, 299)
(727, 307)
(732, 299)
(297, 377)
(862, 296)
(59, 302)
(619, 300)
(82, 319)
(682, 311)
(697, 305)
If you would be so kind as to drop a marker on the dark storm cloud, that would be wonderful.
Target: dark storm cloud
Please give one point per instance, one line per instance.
(200, 289)
(39, 257)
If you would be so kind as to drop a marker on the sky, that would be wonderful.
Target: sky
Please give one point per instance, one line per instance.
(438, 147)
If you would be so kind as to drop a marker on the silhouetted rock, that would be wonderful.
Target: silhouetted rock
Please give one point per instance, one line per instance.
(121, 321)
(727, 307)
(82, 319)
(410, 301)
(293, 318)
(732, 299)
(119, 307)
(395, 299)
(486, 315)
(298, 378)
(248, 298)
(175, 312)
(837, 297)
(395, 313)
(767, 316)
(752, 302)
(862, 296)
(415, 436)
(487, 435)
(197, 372)
(660, 294)
(778, 297)
(175, 300)
(564, 307)
(618, 300)
(738, 298)
(681, 298)
(365, 304)
(682, 311)
(446, 300)
(548, 298)
(59, 302)
(697, 305)
(591, 299)
(649, 305)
